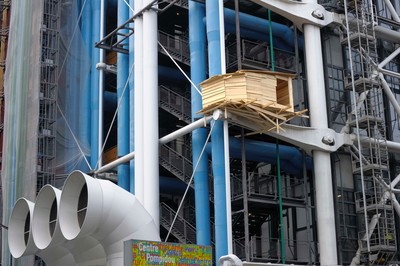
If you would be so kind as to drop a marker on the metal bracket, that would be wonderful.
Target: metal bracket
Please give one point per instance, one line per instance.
(307, 138)
(116, 40)
(300, 12)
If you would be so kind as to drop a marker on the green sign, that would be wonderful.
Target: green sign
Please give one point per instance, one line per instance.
(137, 252)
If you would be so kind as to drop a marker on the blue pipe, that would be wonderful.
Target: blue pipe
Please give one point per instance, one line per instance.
(131, 107)
(85, 128)
(172, 186)
(217, 144)
(259, 151)
(123, 111)
(253, 23)
(258, 35)
(197, 44)
(94, 103)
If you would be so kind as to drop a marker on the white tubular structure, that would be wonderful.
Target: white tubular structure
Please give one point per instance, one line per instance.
(20, 238)
(150, 114)
(138, 104)
(322, 161)
(49, 239)
(94, 208)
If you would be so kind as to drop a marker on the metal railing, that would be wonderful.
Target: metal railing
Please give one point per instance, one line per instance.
(175, 104)
(176, 45)
(267, 185)
(176, 163)
(181, 228)
(257, 55)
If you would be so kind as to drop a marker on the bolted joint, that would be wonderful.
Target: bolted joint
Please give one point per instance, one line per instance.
(318, 14)
(328, 140)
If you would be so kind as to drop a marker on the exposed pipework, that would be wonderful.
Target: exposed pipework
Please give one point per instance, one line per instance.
(105, 212)
(138, 105)
(322, 160)
(21, 241)
(217, 143)
(86, 225)
(150, 114)
(123, 98)
(48, 238)
(254, 24)
(259, 151)
(197, 43)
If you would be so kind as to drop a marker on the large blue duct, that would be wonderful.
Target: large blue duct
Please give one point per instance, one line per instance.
(217, 144)
(198, 59)
(252, 24)
(123, 98)
(260, 151)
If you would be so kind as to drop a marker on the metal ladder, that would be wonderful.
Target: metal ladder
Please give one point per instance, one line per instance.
(366, 119)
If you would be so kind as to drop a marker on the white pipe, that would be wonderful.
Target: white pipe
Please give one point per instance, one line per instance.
(103, 211)
(174, 135)
(150, 113)
(387, 34)
(230, 259)
(48, 237)
(389, 94)
(389, 58)
(395, 181)
(322, 162)
(371, 226)
(222, 35)
(392, 10)
(21, 240)
(138, 101)
(185, 130)
(396, 204)
(101, 86)
(393, 147)
(389, 73)
(228, 187)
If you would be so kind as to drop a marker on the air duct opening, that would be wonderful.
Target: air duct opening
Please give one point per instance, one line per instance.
(82, 205)
(53, 217)
(27, 228)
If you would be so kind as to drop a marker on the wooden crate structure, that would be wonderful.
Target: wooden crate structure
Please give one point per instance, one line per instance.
(265, 97)
(263, 88)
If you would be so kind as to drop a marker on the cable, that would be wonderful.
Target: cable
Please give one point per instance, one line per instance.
(73, 135)
(115, 115)
(129, 6)
(177, 65)
(190, 181)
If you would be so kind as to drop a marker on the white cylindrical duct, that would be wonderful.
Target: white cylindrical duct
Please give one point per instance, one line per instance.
(151, 193)
(20, 238)
(21, 241)
(48, 238)
(99, 209)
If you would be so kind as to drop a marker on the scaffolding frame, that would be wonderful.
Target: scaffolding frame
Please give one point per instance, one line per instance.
(48, 93)
(366, 118)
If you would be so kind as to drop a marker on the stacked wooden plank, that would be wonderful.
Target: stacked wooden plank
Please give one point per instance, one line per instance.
(264, 97)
